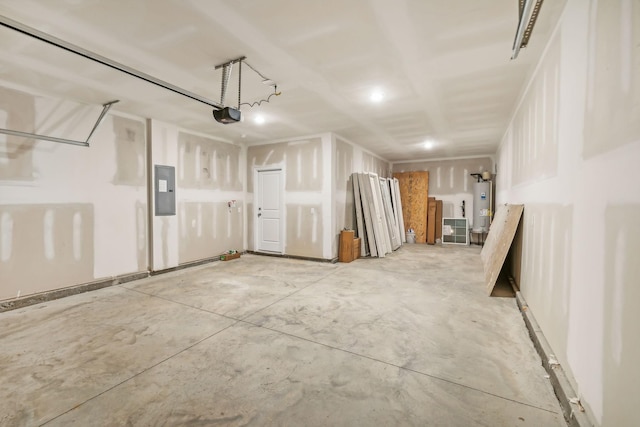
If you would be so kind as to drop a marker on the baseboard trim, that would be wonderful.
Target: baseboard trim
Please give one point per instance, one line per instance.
(303, 258)
(186, 265)
(559, 380)
(27, 300)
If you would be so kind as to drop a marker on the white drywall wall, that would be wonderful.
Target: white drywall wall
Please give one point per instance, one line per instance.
(578, 124)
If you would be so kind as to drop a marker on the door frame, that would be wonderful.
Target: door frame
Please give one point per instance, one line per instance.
(256, 197)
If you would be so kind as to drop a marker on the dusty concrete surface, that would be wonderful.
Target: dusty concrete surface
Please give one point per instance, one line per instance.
(410, 339)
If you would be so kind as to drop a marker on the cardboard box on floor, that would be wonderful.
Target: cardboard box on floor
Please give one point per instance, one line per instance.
(349, 248)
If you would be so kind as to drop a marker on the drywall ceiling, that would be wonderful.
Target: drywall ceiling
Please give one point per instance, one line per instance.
(442, 66)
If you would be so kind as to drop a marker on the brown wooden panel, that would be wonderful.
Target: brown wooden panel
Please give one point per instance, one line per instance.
(496, 246)
(514, 259)
(431, 222)
(438, 219)
(414, 193)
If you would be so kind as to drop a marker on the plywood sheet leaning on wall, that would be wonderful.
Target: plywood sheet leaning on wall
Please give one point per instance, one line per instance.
(499, 240)
(414, 191)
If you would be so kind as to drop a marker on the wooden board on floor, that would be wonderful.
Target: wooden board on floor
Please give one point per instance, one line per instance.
(499, 240)
(414, 191)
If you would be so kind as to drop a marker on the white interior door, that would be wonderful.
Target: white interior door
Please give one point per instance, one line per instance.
(268, 211)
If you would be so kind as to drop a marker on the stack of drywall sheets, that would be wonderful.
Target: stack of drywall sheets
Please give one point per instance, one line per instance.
(378, 214)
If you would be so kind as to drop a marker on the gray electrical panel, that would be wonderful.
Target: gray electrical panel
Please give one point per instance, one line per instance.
(165, 190)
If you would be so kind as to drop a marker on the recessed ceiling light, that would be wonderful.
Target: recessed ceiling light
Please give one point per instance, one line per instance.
(376, 96)
(259, 119)
(428, 144)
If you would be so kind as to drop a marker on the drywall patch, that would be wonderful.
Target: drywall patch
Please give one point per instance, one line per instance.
(534, 129)
(546, 268)
(209, 164)
(130, 151)
(373, 164)
(621, 348)
(40, 253)
(208, 229)
(612, 113)
(451, 176)
(262, 155)
(302, 159)
(141, 236)
(343, 188)
(196, 235)
(304, 231)
(165, 228)
(250, 225)
(343, 165)
(17, 112)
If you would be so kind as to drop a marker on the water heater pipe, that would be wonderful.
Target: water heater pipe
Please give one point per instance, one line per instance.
(490, 203)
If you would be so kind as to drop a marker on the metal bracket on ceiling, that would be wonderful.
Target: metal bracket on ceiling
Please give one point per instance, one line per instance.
(233, 61)
(85, 143)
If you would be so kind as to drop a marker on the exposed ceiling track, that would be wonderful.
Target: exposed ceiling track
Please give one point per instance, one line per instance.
(85, 143)
(47, 38)
(528, 14)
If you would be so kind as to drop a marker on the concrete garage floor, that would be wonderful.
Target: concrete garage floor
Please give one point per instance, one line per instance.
(410, 339)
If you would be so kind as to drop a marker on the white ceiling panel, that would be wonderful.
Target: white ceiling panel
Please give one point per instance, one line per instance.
(442, 67)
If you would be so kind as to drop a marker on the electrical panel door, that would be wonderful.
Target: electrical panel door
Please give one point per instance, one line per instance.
(165, 190)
